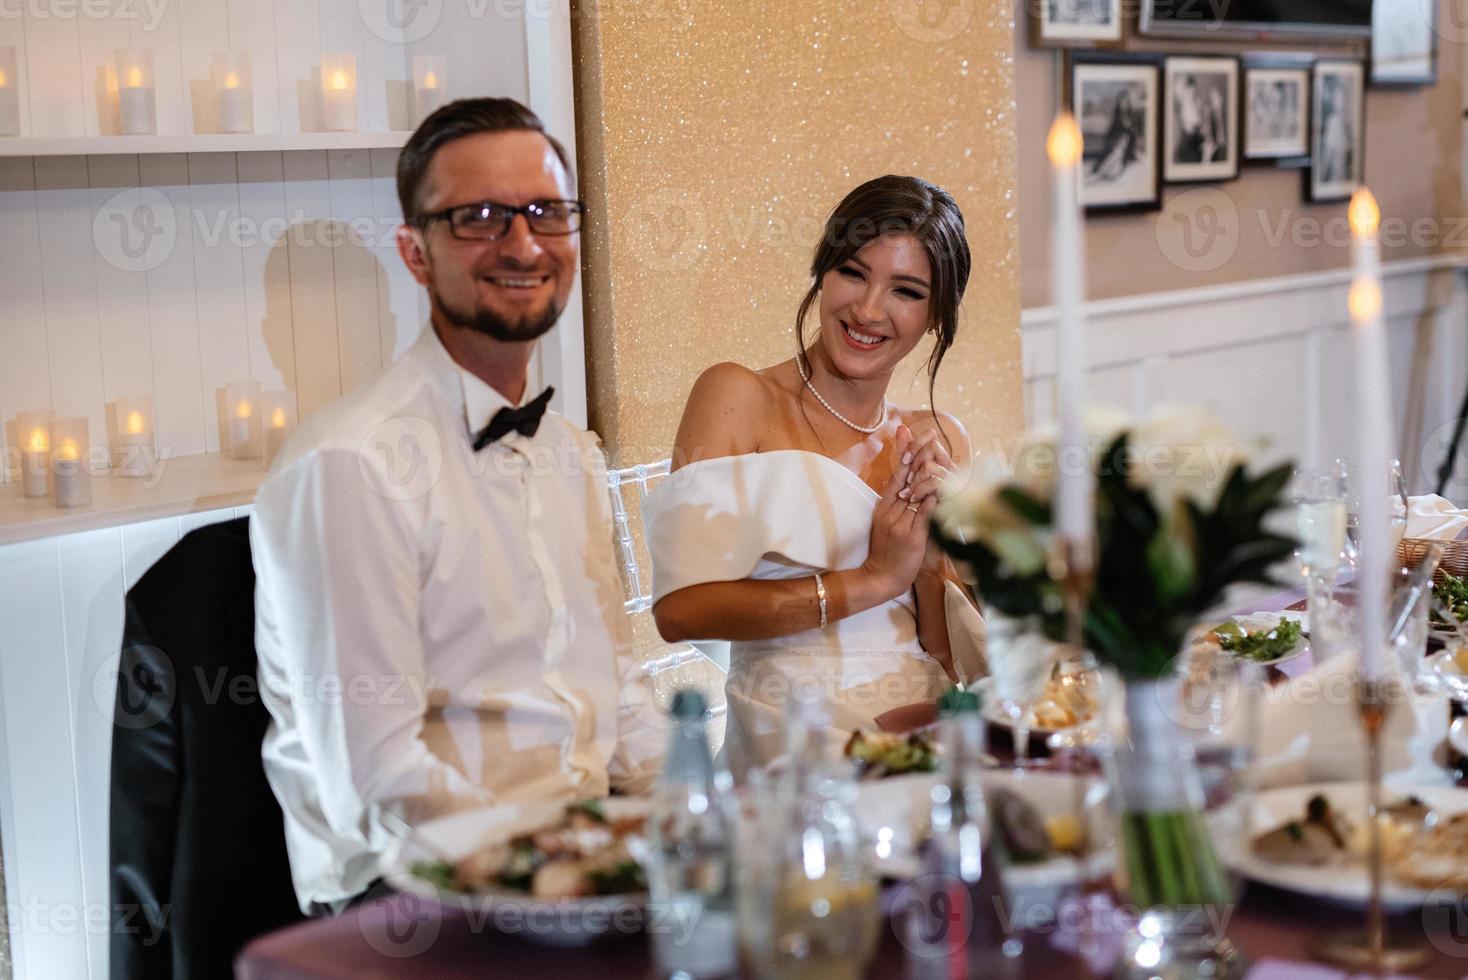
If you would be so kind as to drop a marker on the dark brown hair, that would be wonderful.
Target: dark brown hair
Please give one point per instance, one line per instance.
(465, 117)
(893, 205)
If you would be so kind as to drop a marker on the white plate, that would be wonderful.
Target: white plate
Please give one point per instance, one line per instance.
(899, 807)
(1346, 883)
(1256, 622)
(552, 922)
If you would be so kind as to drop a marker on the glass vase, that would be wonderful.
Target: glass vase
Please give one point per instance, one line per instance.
(1168, 868)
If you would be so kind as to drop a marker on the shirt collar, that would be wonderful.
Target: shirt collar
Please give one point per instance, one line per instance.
(463, 390)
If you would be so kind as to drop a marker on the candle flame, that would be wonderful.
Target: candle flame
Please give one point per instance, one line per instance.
(1364, 300)
(68, 451)
(134, 77)
(38, 440)
(1364, 213)
(4, 79)
(430, 80)
(1064, 143)
(243, 410)
(135, 423)
(339, 80)
(277, 419)
(232, 80)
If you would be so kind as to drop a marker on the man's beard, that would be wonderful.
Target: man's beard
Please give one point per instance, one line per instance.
(491, 324)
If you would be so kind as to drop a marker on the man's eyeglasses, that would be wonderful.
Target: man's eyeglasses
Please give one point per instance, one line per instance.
(486, 220)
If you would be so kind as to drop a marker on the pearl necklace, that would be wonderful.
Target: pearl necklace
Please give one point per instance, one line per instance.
(868, 429)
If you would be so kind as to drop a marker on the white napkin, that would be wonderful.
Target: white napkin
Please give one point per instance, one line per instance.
(1308, 730)
(1431, 516)
(966, 635)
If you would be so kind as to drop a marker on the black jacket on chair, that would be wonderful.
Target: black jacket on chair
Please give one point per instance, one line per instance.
(198, 863)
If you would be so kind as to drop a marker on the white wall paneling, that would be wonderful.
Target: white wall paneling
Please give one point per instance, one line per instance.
(169, 265)
(1273, 359)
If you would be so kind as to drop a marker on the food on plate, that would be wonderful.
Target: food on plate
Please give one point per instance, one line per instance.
(1028, 837)
(1259, 645)
(1418, 847)
(583, 853)
(1318, 837)
(1455, 662)
(1436, 856)
(1064, 704)
(1452, 593)
(879, 754)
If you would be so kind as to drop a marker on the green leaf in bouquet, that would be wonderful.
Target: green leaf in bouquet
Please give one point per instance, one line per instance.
(1033, 510)
(1170, 562)
(958, 700)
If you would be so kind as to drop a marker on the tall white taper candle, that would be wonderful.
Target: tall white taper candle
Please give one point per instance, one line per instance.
(1373, 428)
(1076, 486)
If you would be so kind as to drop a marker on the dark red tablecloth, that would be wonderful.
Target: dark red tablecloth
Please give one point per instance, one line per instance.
(397, 937)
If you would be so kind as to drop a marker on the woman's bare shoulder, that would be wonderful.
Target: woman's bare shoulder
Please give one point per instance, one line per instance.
(725, 414)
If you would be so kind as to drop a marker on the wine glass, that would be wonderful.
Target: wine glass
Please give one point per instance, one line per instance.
(1020, 660)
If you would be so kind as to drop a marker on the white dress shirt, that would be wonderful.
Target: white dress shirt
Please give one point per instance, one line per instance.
(437, 628)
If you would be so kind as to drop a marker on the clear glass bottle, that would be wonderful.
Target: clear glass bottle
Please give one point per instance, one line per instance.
(956, 923)
(811, 909)
(692, 838)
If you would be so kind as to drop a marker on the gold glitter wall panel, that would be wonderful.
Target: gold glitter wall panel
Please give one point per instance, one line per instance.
(716, 135)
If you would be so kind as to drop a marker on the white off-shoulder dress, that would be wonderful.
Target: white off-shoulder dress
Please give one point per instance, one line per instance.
(787, 514)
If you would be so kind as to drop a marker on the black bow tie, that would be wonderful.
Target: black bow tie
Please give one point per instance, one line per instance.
(524, 420)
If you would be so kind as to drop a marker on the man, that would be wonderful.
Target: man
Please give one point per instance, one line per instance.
(438, 610)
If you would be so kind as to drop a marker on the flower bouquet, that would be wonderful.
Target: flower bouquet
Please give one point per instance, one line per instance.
(1179, 518)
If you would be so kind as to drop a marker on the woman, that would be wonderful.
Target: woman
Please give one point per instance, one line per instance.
(795, 523)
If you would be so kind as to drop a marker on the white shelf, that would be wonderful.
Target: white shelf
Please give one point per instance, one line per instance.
(187, 485)
(29, 146)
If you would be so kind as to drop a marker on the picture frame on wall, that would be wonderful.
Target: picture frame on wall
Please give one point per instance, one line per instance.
(1337, 130)
(1074, 23)
(1403, 42)
(1201, 119)
(1117, 102)
(1276, 107)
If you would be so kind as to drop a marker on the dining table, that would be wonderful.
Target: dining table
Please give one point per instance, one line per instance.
(405, 935)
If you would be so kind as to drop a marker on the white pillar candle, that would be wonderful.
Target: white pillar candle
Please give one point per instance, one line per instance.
(33, 429)
(9, 93)
(428, 90)
(35, 463)
(137, 109)
(1373, 431)
(275, 435)
(133, 452)
(71, 482)
(233, 92)
(1075, 490)
(234, 108)
(244, 427)
(338, 93)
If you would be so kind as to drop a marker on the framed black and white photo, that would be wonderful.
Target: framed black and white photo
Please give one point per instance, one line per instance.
(1403, 42)
(1200, 119)
(1116, 100)
(1277, 109)
(1069, 23)
(1337, 130)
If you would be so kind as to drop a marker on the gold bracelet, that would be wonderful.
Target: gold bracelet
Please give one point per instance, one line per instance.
(821, 598)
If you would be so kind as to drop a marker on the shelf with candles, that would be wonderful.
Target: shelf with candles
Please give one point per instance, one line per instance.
(182, 485)
(29, 146)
